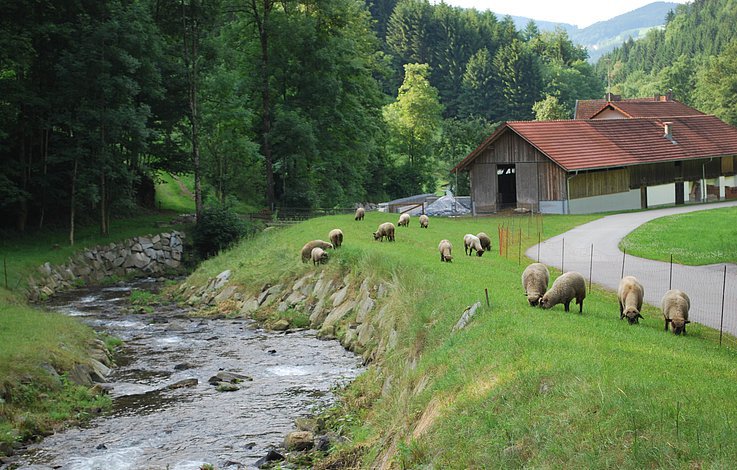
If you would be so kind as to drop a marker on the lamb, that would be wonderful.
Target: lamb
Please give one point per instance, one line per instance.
(336, 237)
(675, 305)
(403, 220)
(319, 256)
(567, 287)
(630, 294)
(445, 247)
(424, 221)
(471, 242)
(307, 249)
(535, 280)
(385, 230)
(360, 212)
(485, 241)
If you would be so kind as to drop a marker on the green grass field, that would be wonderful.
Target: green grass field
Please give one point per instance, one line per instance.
(175, 194)
(695, 238)
(520, 386)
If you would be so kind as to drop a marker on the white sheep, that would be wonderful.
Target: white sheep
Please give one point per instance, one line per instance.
(319, 256)
(567, 287)
(485, 241)
(336, 237)
(307, 249)
(360, 212)
(445, 248)
(630, 294)
(470, 243)
(424, 221)
(403, 220)
(675, 306)
(385, 230)
(535, 280)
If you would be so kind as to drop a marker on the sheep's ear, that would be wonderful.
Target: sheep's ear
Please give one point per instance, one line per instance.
(688, 321)
(667, 320)
(639, 316)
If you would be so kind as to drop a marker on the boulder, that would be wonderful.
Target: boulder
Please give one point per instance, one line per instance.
(340, 296)
(221, 279)
(228, 377)
(225, 294)
(364, 308)
(281, 325)
(299, 440)
(191, 382)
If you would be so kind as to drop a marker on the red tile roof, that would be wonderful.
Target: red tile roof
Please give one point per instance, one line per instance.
(634, 108)
(593, 144)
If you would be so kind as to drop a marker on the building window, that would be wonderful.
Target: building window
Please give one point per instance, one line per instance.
(505, 171)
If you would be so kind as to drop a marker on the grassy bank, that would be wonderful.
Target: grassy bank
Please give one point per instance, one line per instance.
(695, 238)
(175, 193)
(519, 386)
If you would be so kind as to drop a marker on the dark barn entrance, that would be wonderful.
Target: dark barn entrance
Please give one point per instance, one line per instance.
(507, 184)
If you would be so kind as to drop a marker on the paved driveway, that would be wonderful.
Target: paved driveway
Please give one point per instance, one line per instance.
(573, 251)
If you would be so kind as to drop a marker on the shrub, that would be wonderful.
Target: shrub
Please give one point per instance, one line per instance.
(218, 228)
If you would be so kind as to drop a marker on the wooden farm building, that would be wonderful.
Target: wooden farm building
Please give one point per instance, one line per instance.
(625, 154)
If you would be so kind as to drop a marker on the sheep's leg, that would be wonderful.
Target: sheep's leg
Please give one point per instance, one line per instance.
(567, 306)
(621, 311)
(580, 306)
(666, 325)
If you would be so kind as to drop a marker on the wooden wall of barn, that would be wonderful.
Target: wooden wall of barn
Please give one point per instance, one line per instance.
(537, 177)
(668, 172)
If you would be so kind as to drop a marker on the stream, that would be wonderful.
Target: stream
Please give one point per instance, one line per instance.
(152, 427)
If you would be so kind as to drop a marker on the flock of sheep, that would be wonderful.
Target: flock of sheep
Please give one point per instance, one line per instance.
(535, 278)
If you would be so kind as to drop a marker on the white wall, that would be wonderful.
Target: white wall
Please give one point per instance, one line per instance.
(661, 195)
(610, 202)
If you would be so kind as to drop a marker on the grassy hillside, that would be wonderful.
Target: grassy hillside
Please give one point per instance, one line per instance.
(696, 238)
(175, 193)
(519, 386)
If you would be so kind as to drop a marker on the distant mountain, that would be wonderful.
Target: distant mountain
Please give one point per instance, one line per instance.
(602, 37)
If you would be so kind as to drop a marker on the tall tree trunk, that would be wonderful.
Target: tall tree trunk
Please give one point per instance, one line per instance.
(191, 43)
(72, 202)
(44, 188)
(104, 229)
(266, 104)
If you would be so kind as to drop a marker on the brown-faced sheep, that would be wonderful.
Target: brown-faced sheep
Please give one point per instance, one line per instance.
(424, 221)
(319, 256)
(470, 243)
(630, 294)
(385, 230)
(535, 280)
(567, 287)
(403, 220)
(360, 212)
(485, 241)
(307, 249)
(336, 237)
(445, 248)
(675, 305)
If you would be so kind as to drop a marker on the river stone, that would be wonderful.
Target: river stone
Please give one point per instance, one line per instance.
(306, 424)
(99, 371)
(280, 325)
(137, 247)
(322, 288)
(381, 291)
(225, 294)
(266, 460)
(249, 306)
(229, 377)
(349, 339)
(45, 269)
(337, 314)
(340, 296)
(319, 312)
(365, 333)
(299, 440)
(80, 375)
(221, 279)
(364, 308)
(301, 281)
(226, 387)
(191, 382)
(295, 298)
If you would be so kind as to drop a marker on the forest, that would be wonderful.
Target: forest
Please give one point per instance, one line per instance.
(296, 104)
(695, 56)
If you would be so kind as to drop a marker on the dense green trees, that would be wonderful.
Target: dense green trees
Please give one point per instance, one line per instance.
(289, 104)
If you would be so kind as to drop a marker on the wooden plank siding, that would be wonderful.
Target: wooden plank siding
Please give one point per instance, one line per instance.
(668, 172)
(537, 177)
(598, 183)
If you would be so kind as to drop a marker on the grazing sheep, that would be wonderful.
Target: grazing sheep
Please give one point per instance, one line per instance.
(471, 242)
(535, 280)
(630, 294)
(385, 230)
(567, 287)
(307, 249)
(675, 305)
(445, 247)
(485, 241)
(336, 237)
(403, 220)
(424, 221)
(360, 212)
(319, 256)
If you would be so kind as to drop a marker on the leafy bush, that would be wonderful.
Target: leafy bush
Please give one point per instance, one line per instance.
(219, 228)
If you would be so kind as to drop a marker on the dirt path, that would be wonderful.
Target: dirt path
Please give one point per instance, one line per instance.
(182, 187)
(599, 240)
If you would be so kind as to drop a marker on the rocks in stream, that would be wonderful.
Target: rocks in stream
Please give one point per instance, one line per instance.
(268, 459)
(184, 383)
(299, 440)
(225, 381)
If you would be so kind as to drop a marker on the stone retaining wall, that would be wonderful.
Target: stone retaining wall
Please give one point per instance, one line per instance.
(148, 255)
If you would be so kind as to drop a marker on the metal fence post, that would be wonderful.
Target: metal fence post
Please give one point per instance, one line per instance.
(591, 265)
(724, 288)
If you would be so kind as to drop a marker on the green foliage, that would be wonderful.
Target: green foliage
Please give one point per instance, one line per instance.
(550, 108)
(175, 193)
(218, 229)
(143, 298)
(684, 237)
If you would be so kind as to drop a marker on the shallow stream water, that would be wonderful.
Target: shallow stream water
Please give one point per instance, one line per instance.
(152, 427)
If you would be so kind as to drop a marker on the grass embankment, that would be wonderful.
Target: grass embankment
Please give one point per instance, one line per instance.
(33, 402)
(694, 238)
(519, 386)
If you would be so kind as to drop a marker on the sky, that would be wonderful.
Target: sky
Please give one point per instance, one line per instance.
(581, 13)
